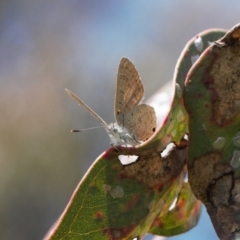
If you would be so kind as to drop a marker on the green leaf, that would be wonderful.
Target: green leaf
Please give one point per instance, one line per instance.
(110, 204)
(181, 218)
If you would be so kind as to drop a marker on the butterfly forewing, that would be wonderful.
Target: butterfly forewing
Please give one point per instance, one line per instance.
(141, 122)
(129, 90)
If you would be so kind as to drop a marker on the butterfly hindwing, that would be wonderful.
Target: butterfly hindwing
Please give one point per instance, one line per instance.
(141, 122)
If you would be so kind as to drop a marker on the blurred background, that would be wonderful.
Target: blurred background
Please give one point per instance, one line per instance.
(46, 46)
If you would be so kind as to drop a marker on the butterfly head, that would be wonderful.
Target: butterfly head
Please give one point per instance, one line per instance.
(114, 132)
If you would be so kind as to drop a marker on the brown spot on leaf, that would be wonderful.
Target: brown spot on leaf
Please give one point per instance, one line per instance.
(205, 173)
(220, 190)
(118, 233)
(225, 216)
(131, 202)
(223, 80)
(99, 215)
(213, 183)
(154, 170)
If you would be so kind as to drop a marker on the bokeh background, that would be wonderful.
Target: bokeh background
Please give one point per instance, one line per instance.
(46, 46)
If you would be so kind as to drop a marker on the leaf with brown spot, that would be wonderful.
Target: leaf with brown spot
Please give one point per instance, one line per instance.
(212, 101)
(114, 201)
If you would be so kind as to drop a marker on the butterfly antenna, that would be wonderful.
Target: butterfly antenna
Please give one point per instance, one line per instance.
(82, 130)
(86, 107)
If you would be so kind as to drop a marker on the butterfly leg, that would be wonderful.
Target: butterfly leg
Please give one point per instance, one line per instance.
(115, 147)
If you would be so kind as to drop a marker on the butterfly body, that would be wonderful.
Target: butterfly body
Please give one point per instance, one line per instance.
(120, 136)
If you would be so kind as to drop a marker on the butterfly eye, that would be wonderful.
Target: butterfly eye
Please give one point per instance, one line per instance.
(154, 129)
